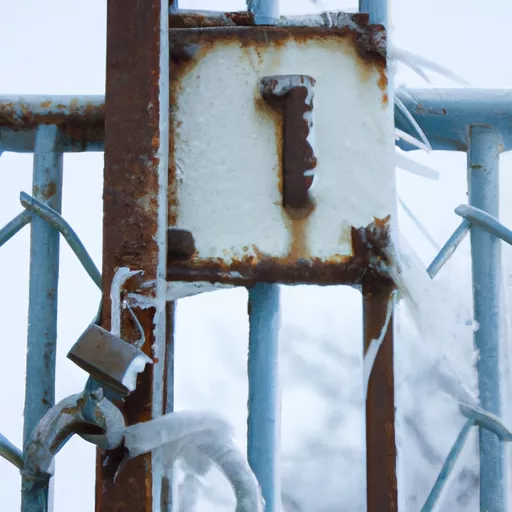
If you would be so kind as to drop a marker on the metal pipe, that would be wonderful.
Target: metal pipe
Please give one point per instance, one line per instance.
(42, 314)
(483, 185)
(13, 226)
(11, 452)
(61, 225)
(377, 9)
(78, 138)
(19, 111)
(448, 466)
(488, 222)
(448, 248)
(265, 12)
(264, 422)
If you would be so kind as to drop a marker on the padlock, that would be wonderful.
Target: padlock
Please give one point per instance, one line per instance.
(109, 360)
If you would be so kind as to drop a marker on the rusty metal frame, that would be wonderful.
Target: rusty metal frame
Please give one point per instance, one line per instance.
(135, 222)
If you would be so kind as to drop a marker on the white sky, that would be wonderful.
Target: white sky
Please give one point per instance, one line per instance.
(58, 47)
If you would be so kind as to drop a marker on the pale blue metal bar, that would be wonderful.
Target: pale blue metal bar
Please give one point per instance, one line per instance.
(449, 248)
(15, 225)
(42, 315)
(264, 403)
(480, 218)
(10, 452)
(447, 468)
(58, 222)
(445, 115)
(485, 422)
(377, 9)
(266, 12)
(483, 181)
(264, 423)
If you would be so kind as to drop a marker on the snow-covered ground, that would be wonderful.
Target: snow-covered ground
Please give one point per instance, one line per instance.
(323, 429)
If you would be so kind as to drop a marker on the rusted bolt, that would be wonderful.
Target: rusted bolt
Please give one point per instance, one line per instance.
(293, 95)
(181, 244)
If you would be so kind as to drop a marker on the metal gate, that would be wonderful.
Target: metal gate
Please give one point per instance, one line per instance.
(159, 245)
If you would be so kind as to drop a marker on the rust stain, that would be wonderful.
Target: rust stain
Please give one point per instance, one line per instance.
(380, 401)
(130, 202)
(369, 245)
(18, 115)
(292, 97)
(196, 20)
(368, 41)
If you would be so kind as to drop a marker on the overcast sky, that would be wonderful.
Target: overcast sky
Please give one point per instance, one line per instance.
(58, 47)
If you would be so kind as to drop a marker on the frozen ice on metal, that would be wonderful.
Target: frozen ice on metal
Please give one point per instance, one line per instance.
(293, 95)
(194, 437)
(410, 165)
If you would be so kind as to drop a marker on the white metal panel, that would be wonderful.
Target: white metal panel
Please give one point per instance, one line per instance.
(227, 151)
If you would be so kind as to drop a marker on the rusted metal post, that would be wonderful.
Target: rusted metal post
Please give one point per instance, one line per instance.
(381, 482)
(135, 223)
(42, 316)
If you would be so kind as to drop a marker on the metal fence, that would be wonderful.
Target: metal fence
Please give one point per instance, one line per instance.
(135, 139)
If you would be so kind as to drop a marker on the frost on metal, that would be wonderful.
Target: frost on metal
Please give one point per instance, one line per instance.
(229, 147)
(200, 440)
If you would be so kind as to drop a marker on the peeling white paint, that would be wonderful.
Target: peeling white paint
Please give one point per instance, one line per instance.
(228, 194)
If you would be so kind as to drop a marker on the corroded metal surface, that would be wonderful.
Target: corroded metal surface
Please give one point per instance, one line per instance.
(292, 96)
(80, 120)
(18, 111)
(130, 216)
(380, 404)
(371, 245)
(300, 251)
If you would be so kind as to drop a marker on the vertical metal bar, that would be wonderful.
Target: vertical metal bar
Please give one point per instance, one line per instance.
(381, 484)
(265, 12)
(377, 9)
(264, 422)
(483, 184)
(135, 224)
(42, 309)
(168, 481)
(264, 403)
